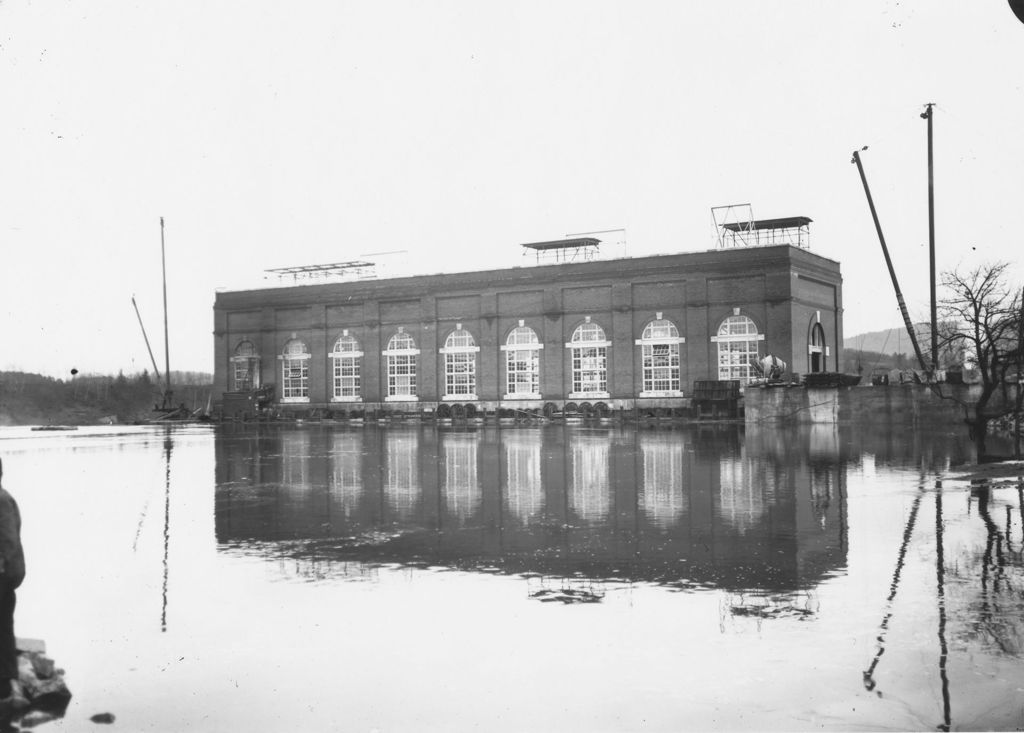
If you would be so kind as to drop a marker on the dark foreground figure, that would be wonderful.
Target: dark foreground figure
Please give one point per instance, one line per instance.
(12, 572)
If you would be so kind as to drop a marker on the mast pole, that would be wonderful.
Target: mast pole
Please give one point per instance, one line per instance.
(144, 336)
(167, 349)
(927, 115)
(888, 262)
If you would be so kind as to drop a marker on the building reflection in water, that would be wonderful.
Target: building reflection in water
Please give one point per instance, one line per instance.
(346, 475)
(401, 472)
(663, 491)
(462, 491)
(672, 506)
(589, 493)
(524, 493)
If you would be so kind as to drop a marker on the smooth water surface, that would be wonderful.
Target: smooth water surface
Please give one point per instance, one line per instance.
(324, 578)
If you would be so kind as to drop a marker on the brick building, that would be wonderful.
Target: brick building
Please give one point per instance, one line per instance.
(615, 333)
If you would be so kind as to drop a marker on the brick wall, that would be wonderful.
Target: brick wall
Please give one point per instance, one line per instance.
(780, 288)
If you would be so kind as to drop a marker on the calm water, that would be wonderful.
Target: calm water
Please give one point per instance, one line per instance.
(520, 579)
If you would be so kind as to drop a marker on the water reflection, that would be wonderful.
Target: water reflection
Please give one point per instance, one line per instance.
(462, 492)
(589, 493)
(663, 490)
(346, 473)
(402, 473)
(524, 493)
(679, 507)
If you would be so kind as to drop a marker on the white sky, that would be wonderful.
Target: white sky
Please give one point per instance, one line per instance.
(271, 134)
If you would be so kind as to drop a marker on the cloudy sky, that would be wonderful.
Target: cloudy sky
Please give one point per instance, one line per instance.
(273, 134)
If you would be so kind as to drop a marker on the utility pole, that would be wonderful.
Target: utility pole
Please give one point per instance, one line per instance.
(927, 115)
(888, 262)
(167, 348)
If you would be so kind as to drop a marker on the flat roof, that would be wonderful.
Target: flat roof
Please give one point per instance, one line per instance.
(564, 243)
(787, 222)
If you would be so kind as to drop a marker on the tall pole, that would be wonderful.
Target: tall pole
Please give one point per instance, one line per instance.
(888, 262)
(167, 348)
(144, 336)
(928, 114)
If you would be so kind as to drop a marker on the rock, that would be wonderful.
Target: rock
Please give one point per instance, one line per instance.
(39, 695)
(43, 666)
(104, 718)
(37, 717)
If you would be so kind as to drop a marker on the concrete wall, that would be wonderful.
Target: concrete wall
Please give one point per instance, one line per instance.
(905, 404)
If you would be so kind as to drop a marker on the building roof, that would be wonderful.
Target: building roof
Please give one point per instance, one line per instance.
(564, 243)
(787, 222)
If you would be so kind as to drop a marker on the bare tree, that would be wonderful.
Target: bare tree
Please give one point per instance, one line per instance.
(980, 319)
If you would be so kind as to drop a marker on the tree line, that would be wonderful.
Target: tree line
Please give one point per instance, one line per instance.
(35, 399)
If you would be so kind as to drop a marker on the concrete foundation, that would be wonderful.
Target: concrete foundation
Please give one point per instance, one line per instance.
(907, 404)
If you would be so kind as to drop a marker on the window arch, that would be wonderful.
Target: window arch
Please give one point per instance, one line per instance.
(401, 357)
(522, 363)
(817, 354)
(738, 347)
(245, 367)
(589, 352)
(295, 371)
(660, 362)
(460, 352)
(346, 358)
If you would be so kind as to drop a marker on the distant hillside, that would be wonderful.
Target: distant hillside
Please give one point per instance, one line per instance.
(890, 341)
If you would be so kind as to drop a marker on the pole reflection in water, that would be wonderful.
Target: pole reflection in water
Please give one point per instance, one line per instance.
(940, 583)
(675, 507)
(168, 445)
(894, 586)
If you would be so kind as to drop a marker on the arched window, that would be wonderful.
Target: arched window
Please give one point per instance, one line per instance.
(659, 353)
(522, 363)
(816, 353)
(245, 367)
(738, 348)
(400, 358)
(295, 372)
(589, 350)
(347, 358)
(460, 352)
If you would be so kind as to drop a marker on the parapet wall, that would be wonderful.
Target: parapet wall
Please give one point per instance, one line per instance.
(907, 404)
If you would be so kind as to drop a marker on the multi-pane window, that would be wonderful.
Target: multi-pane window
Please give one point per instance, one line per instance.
(245, 367)
(522, 363)
(659, 349)
(347, 358)
(400, 357)
(295, 372)
(738, 348)
(589, 349)
(460, 352)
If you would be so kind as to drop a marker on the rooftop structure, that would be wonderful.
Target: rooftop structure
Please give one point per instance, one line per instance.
(356, 269)
(735, 226)
(578, 249)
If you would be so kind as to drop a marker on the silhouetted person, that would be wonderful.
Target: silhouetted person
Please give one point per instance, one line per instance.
(12, 572)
